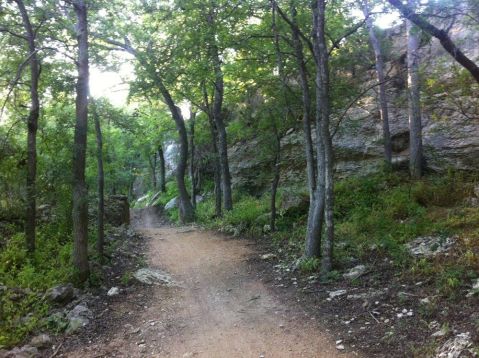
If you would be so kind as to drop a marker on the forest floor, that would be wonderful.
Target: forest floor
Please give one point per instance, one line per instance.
(222, 304)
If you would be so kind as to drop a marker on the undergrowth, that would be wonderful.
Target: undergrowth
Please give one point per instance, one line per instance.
(375, 217)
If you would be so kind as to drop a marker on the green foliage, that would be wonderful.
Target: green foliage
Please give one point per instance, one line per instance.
(27, 277)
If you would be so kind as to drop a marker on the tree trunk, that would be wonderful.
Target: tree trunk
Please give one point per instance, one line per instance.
(32, 123)
(276, 177)
(383, 103)
(316, 207)
(323, 111)
(152, 162)
(218, 116)
(161, 157)
(217, 169)
(80, 194)
(192, 159)
(414, 106)
(101, 185)
(186, 210)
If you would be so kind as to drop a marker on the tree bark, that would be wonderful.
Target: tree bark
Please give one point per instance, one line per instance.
(152, 162)
(414, 106)
(80, 194)
(192, 158)
(161, 157)
(323, 112)
(383, 102)
(186, 210)
(32, 124)
(217, 170)
(101, 185)
(313, 169)
(408, 12)
(276, 177)
(218, 115)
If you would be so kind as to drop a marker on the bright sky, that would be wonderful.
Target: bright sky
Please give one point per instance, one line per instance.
(114, 85)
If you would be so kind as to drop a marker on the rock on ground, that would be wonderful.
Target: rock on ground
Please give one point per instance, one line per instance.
(455, 347)
(78, 317)
(429, 246)
(153, 276)
(23, 352)
(355, 272)
(41, 341)
(60, 294)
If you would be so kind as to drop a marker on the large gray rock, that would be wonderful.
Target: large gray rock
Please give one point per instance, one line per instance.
(22, 352)
(151, 276)
(41, 341)
(355, 272)
(78, 317)
(61, 294)
(456, 347)
(430, 246)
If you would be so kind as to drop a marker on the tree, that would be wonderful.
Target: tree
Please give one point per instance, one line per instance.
(325, 146)
(32, 123)
(379, 64)
(80, 194)
(101, 184)
(414, 102)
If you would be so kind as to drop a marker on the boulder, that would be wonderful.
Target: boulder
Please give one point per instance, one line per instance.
(23, 352)
(294, 203)
(430, 246)
(78, 317)
(150, 276)
(41, 341)
(355, 272)
(117, 210)
(60, 294)
(114, 291)
(455, 347)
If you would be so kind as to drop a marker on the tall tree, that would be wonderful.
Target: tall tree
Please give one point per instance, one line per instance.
(32, 123)
(161, 157)
(383, 101)
(325, 148)
(414, 102)
(80, 194)
(101, 183)
(192, 158)
(214, 56)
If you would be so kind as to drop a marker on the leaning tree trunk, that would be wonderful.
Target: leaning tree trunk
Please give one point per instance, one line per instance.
(186, 210)
(383, 103)
(276, 177)
(322, 100)
(80, 194)
(414, 107)
(218, 117)
(101, 185)
(30, 219)
(161, 158)
(192, 159)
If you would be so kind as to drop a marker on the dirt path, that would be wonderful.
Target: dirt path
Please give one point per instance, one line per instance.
(220, 308)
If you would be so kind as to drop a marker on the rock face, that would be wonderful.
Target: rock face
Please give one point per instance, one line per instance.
(450, 118)
(117, 210)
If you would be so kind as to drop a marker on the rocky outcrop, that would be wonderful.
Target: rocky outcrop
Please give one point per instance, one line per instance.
(450, 123)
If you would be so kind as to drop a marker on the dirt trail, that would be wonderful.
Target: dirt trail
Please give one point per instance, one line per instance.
(220, 308)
